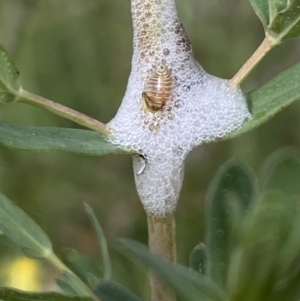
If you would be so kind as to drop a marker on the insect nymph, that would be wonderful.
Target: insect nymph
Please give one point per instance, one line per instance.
(158, 89)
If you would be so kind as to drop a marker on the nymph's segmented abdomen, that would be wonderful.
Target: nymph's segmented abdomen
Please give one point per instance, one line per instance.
(158, 89)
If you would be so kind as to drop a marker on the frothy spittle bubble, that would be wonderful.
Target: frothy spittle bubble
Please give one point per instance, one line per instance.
(199, 109)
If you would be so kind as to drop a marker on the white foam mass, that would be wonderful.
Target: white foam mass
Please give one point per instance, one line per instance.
(202, 108)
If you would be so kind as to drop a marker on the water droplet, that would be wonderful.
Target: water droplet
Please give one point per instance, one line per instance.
(142, 164)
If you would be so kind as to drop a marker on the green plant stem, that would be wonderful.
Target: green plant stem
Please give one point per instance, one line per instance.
(267, 44)
(161, 238)
(60, 110)
(78, 286)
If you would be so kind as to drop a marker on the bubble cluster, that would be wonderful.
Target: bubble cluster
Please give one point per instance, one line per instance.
(201, 108)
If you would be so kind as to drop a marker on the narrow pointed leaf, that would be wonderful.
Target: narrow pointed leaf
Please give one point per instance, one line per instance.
(80, 265)
(23, 231)
(111, 291)
(102, 241)
(198, 261)
(33, 138)
(186, 283)
(9, 294)
(266, 101)
(227, 200)
(9, 78)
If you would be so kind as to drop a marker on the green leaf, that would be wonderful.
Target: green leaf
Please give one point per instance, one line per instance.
(111, 291)
(264, 233)
(268, 100)
(32, 138)
(228, 197)
(102, 241)
(81, 266)
(281, 171)
(23, 231)
(186, 283)
(9, 294)
(197, 260)
(286, 23)
(9, 78)
(261, 8)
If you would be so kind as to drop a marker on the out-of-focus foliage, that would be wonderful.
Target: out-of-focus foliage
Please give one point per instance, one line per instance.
(252, 237)
(78, 53)
(81, 281)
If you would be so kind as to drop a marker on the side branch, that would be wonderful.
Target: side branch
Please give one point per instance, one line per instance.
(65, 112)
(161, 237)
(257, 56)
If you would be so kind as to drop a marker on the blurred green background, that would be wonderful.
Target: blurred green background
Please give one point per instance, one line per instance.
(78, 53)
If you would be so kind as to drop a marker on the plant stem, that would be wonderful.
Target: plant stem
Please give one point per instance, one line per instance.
(65, 112)
(77, 285)
(161, 237)
(267, 44)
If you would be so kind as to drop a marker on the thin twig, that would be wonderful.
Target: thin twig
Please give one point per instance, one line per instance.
(162, 242)
(257, 56)
(65, 112)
